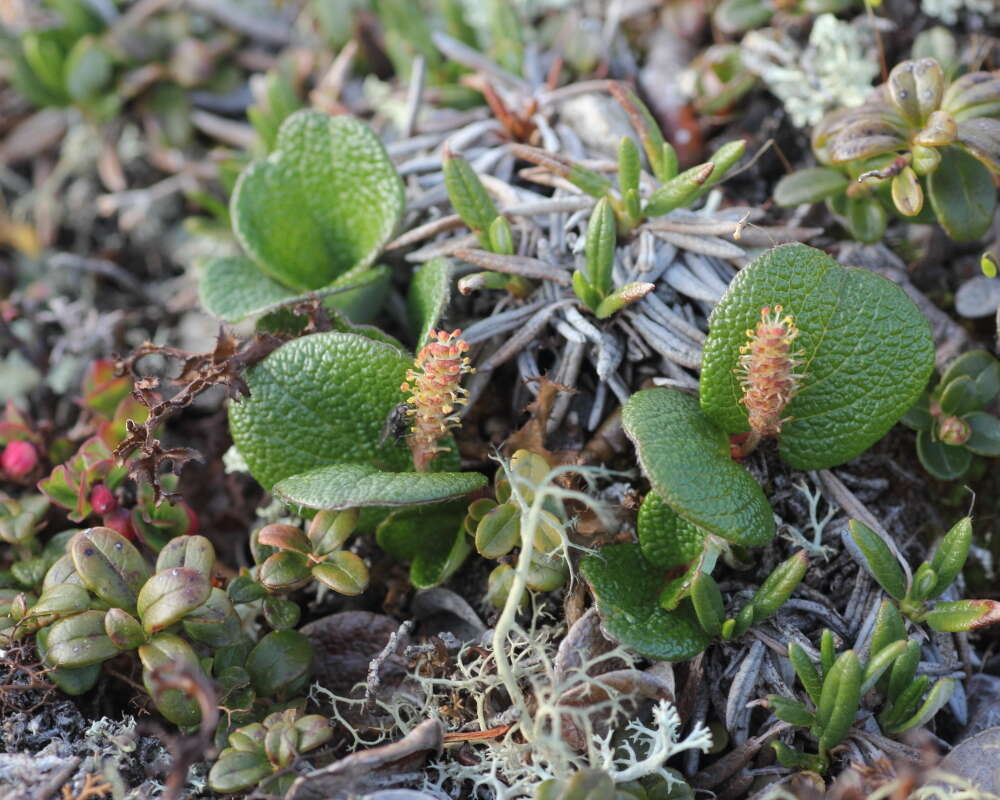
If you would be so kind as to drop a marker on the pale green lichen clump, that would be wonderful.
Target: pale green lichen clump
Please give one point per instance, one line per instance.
(835, 70)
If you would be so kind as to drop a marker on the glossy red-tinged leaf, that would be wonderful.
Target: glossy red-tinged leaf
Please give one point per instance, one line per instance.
(330, 529)
(284, 571)
(166, 655)
(915, 88)
(123, 629)
(963, 615)
(285, 537)
(863, 139)
(975, 94)
(170, 595)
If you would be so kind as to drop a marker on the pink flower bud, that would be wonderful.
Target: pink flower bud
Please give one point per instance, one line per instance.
(102, 500)
(19, 459)
(120, 520)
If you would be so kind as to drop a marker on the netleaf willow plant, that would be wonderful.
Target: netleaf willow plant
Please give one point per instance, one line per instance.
(918, 137)
(787, 324)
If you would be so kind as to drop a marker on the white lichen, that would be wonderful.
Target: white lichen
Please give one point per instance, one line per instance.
(834, 70)
(520, 665)
(948, 11)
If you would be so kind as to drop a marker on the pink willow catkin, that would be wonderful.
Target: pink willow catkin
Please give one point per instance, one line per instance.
(767, 370)
(434, 388)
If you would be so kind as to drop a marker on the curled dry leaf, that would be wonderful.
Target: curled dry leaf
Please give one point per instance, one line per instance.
(363, 770)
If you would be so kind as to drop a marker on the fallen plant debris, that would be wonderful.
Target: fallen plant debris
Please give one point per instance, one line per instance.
(501, 415)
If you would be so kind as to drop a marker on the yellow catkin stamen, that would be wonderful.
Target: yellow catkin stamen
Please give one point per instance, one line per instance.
(435, 391)
(767, 370)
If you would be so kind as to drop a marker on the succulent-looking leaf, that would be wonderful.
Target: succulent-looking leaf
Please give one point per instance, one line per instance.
(879, 663)
(779, 585)
(79, 641)
(625, 586)
(322, 205)
(687, 460)
(839, 701)
(171, 655)
(806, 670)
(879, 559)
(708, 604)
(602, 237)
(330, 529)
(169, 595)
(191, 551)
(794, 759)
(124, 630)
(284, 571)
(109, 566)
(944, 461)
(904, 670)
(889, 627)
(236, 770)
(867, 353)
(963, 615)
(344, 572)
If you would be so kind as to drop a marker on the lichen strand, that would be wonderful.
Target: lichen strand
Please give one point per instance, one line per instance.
(767, 370)
(434, 388)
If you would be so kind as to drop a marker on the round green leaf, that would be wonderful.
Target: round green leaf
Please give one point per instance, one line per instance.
(284, 571)
(985, 438)
(667, 539)
(123, 629)
(344, 572)
(321, 205)
(71, 681)
(867, 353)
(109, 566)
(320, 400)
(79, 641)
(171, 655)
(499, 531)
(280, 663)
(169, 595)
(193, 551)
(215, 622)
(944, 461)
(686, 458)
(625, 586)
(962, 195)
(237, 770)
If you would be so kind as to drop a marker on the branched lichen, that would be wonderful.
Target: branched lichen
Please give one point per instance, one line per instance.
(521, 666)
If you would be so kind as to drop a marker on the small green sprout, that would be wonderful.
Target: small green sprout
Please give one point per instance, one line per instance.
(917, 137)
(739, 16)
(258, 751)
(495, 525)
(316, 555)
(929, 581)
(676, 190)
(594, 285)
(836, 685)
(955, 433)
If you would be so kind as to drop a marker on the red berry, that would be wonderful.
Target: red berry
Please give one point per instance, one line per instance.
(102, 500)
(120, 520)
(19, 459)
